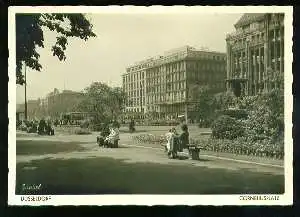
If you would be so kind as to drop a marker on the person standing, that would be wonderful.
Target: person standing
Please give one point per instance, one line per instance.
(184, 138)
(132, 126)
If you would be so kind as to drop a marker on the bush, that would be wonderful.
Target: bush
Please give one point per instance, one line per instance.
(226, 127)
(266, 118)
(96, 127)
(82, 131)
(84, 124)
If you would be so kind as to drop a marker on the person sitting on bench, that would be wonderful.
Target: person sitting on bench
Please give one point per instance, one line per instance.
(105, 131)
(184, 138)
(112, 139)
(172, 143)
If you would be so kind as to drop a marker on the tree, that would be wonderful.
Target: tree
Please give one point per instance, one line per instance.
(206, 103)
(116, 101)
(29, 36)
(105, 101)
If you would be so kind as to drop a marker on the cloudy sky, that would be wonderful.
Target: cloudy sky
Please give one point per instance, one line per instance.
(122, 39)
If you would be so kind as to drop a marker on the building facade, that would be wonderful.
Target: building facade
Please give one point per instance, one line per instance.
(162, 85)
(255, 53)
(57, 102)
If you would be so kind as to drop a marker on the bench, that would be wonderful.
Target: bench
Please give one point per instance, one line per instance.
(100, 141)
(194, 152)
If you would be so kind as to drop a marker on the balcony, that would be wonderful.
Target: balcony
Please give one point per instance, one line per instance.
(244, 32)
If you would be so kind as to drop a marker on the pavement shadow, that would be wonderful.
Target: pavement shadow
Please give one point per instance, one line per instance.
(203, 160)
(135, 132)
(182, 157)
(121, 146)
(186, 158)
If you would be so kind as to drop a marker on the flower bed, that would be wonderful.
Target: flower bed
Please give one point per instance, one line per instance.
(262, 148)
(150, 138)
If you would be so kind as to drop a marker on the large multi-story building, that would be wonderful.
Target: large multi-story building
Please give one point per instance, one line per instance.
(162, 85)
(255, 53)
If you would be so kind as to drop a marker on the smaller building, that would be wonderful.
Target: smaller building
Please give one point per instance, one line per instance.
(20, 112)
(58, 102)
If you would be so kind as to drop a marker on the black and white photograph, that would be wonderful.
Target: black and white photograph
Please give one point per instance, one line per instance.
(128, 105)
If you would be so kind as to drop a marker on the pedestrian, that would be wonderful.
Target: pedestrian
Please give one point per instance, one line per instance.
(131, 126)
(184, 138)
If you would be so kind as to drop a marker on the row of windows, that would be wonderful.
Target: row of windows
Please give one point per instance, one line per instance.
(135, 93)
(171, 67)
(206, 66)
(276, 49)
(136, 85)
(175, 96)
(259, 37)
(175, 67)
(166, 87)
(134, 109)
(133, 77)
(135, 102)
(208, 76)
(275, 65)
(156, 86)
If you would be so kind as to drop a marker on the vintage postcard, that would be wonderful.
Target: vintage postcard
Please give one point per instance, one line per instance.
(126, 105)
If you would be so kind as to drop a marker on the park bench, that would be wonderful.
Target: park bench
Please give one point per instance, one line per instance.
(100, 141)
(115, 144)
(194, 149)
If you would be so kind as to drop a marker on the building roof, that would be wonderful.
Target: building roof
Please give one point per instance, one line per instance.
(249, 18)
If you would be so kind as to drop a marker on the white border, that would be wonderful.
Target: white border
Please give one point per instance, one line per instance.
(285, 199)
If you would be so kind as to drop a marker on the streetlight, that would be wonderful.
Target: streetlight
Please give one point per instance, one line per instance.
(25, 93)
(186, 104)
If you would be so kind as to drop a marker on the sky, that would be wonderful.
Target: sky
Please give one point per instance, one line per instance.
(122, 40)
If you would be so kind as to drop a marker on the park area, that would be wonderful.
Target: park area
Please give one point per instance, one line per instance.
(74, 164)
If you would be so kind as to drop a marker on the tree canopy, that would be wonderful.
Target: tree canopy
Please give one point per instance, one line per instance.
(107, 102)
(29, 36)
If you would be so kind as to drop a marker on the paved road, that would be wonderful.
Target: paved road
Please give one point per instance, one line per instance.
(133, 153)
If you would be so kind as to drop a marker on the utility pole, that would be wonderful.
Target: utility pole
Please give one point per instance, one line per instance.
(25, 94)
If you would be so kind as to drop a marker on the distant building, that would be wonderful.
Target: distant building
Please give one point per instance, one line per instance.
(254, 52)
(161, 85)
(32, 109)
(20, 112)
(57, 102)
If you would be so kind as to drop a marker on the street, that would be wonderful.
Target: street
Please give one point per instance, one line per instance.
(74, 164)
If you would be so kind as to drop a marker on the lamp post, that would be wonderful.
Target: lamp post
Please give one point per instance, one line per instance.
(141, 98)
(186, 105)
(25, 94)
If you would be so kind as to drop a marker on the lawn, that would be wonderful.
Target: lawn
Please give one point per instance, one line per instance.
(110, 176)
